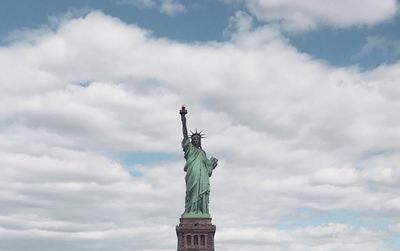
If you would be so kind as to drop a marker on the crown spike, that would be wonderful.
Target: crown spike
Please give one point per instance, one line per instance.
(198, 133)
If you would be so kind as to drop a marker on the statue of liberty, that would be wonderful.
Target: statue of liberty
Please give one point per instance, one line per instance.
(198, 169)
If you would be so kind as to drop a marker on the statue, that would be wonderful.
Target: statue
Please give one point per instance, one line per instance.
(198, 169)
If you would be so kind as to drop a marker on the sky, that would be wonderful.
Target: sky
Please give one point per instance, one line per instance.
(299, 101)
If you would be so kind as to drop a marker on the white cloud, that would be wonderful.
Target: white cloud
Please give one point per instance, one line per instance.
(373, 43)
(381, 45)
(138, 3)
(168, 7)
(307, 15)
(324, 237)
(290, 133)
(240, 23)
(335, 176)
(171, 7)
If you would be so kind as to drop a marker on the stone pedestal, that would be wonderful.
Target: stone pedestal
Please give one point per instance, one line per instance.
(195, 234)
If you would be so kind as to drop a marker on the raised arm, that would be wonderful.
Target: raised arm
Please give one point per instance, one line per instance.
(183, 113)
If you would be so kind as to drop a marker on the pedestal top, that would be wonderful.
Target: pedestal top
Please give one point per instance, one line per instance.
(196, 224)
(200, 221)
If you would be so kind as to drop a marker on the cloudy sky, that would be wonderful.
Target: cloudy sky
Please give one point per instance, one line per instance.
(299, 100)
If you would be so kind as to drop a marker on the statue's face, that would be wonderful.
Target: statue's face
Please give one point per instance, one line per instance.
(196, 141)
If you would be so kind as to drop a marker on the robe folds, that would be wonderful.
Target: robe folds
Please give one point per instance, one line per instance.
(198, 169)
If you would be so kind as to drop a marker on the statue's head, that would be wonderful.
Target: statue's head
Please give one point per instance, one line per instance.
(196, 138)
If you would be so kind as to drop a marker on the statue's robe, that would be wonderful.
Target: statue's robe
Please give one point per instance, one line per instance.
(198, 169)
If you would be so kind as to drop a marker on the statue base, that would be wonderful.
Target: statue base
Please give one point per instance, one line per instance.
(195, 234)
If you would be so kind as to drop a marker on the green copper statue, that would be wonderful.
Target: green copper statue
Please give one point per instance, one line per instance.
(198, 169)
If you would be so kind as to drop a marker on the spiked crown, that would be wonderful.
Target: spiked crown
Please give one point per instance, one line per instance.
(196, 133)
